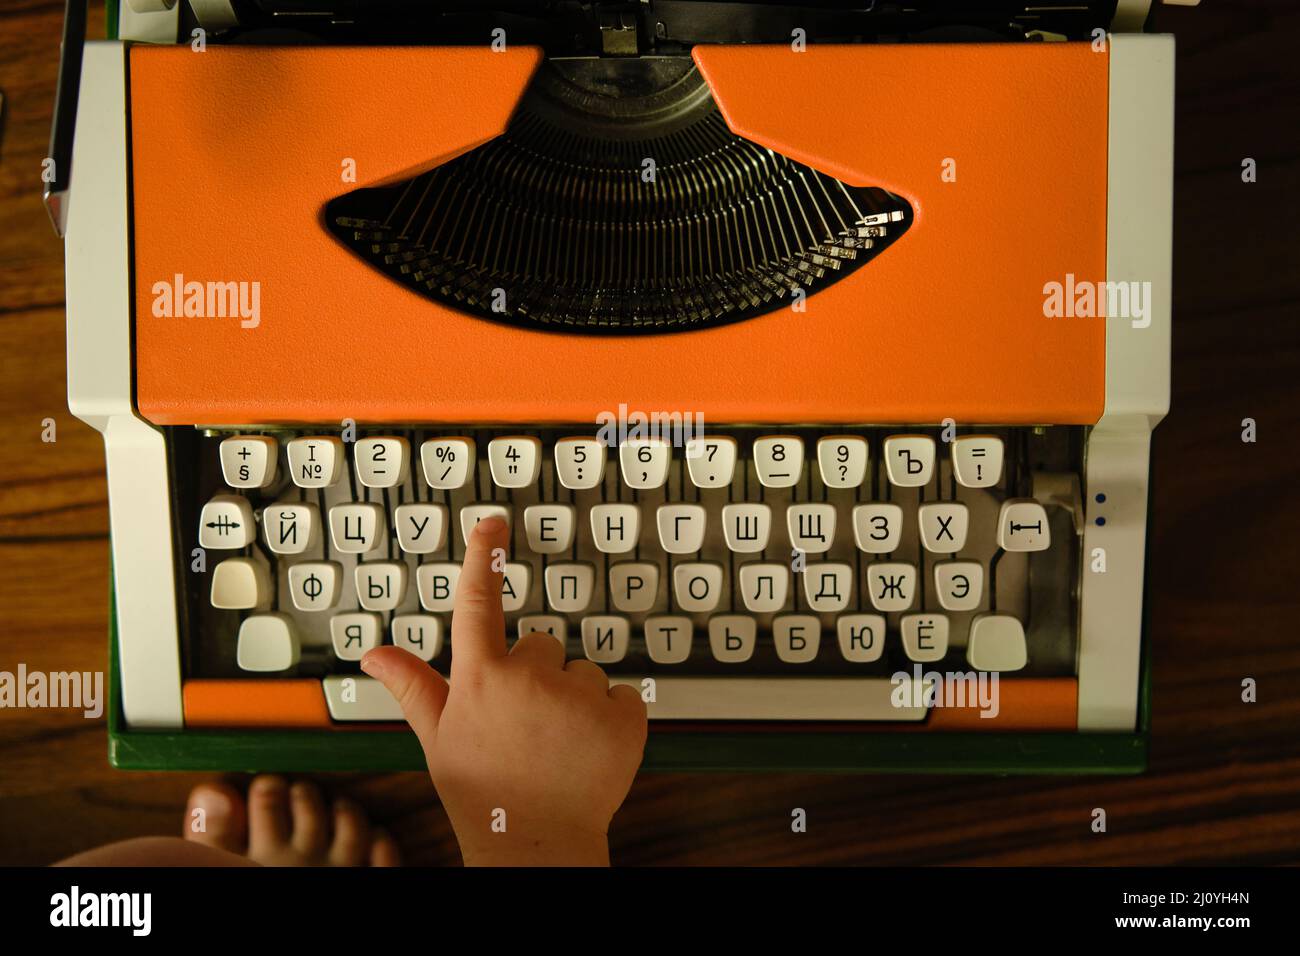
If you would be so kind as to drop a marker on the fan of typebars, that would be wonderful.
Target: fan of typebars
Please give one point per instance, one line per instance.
(617, 201)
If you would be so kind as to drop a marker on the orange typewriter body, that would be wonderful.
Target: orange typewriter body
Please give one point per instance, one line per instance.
(235, 152)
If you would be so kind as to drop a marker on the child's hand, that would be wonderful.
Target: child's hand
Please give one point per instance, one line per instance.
(551, 745)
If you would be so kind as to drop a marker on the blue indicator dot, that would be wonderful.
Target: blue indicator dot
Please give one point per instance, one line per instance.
(1101, 499)
(1100, 522)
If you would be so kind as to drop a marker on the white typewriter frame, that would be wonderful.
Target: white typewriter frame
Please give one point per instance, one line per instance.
(1117, 457)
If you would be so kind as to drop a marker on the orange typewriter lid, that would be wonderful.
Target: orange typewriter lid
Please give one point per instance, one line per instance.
(999, 149)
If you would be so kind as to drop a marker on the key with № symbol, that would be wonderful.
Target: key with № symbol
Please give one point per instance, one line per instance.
(315, 462)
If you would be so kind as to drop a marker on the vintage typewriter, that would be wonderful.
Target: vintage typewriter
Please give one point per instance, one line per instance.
(812, 352)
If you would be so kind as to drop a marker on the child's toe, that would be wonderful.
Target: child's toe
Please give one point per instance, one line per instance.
(383, 850)
(311, 821)
(269, 826)
(215, 816)
(351, 845)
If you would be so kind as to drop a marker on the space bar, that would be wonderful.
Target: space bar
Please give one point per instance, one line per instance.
(780, 698)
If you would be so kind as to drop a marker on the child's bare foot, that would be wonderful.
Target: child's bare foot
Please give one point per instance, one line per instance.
(284, 824)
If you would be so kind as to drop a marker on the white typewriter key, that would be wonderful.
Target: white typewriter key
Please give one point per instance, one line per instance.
(471, 515)
(226, 523)
(778, 459)
(943, 526)
(668, 638)
(996, 643)
(358, 528)
(515, 461)
(290, 527)
(448, 463)
(580, 462)
(421, 634)
(381, 585)
(249, 461)
(862, 637)
(421, 528)
(959, 584)
(747, 527)
(977, 460)
(828, 586)
(925, 637)
(315, 462)
(354, 634)
(615, 528)
(891, 585)
(436, 582)
(516, 582)
(765, 586)
(315, 585)
(732, 638)
(382, 462)
(842, 460)
(1022, 526)
(681, 528)
(909, 460)
(644, 462)
(551, 624)
(569, 586)
(605, 638)
(550, 528)
(241, 584)
(811, 527)
(634, 585)
(877, 528)
(797, 637)
(698, 586)
(267, 643)
(711, 461)
(350, 697)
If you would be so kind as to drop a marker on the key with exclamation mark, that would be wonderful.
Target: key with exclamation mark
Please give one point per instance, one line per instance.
(977, 460)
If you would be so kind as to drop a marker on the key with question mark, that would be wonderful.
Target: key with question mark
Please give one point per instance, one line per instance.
(842, 460)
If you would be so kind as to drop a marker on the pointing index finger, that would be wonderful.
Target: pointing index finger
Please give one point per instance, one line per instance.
(478, 624)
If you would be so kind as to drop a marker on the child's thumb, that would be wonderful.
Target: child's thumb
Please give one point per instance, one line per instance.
(419, 690)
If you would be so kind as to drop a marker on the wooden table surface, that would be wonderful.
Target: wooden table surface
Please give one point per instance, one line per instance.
(1224, 783)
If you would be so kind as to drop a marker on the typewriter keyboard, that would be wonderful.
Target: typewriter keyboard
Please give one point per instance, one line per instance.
(743, 573)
